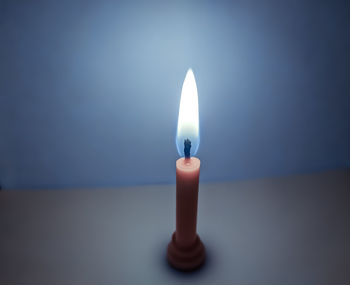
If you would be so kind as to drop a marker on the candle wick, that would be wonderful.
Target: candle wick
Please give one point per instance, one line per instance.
(187, 149)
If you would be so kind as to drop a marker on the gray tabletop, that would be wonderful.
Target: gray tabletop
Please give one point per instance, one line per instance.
(292, 230)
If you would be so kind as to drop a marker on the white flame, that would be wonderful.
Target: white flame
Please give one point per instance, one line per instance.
(188, 121)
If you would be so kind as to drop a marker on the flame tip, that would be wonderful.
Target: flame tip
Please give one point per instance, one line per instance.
(190, 71)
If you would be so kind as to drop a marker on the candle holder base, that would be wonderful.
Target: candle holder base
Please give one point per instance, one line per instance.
(186, 258)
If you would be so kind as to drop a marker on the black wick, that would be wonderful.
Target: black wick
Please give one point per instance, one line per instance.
(187, 148)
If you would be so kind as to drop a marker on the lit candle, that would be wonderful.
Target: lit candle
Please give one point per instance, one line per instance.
(186, 251)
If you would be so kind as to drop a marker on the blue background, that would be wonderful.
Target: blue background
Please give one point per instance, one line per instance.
(90, 90)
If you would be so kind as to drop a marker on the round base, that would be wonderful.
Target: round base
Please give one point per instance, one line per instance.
(186, 259)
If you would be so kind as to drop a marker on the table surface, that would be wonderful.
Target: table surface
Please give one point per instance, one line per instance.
(291, 230)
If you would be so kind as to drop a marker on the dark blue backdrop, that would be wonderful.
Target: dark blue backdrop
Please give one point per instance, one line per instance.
(90, 90)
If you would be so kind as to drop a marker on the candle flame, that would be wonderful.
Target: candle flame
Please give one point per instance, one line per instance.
(188, 121)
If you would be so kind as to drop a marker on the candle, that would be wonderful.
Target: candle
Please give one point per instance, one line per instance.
(185, 250)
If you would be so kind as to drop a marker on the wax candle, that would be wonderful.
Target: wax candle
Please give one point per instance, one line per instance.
(185, 250)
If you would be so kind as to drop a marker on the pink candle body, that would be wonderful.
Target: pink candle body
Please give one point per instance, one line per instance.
(187, 180)
(186, 251)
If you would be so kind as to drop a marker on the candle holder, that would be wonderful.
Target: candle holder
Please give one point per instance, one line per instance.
(186, 258)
